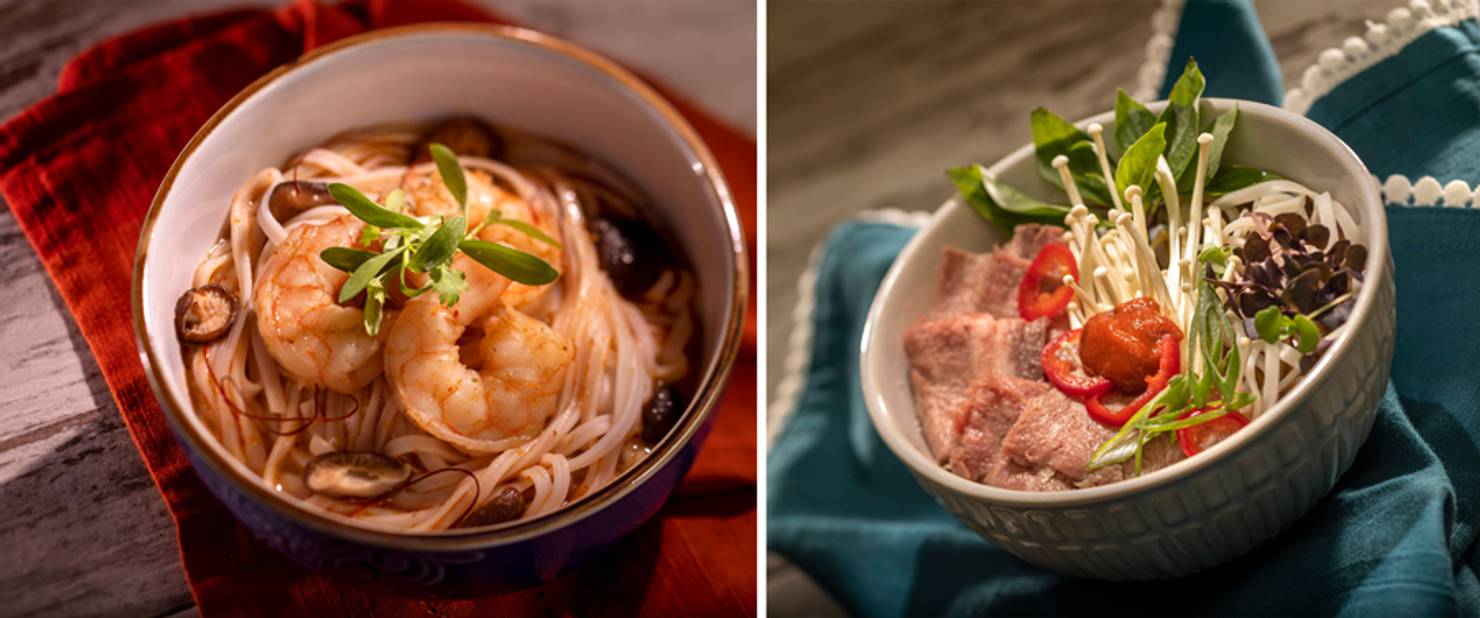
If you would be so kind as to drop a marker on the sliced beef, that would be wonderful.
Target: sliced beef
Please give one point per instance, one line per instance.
(1028, 240)
(994, 407)
(988, 282)
(1055, 431)
(948, 355)
(978, 283)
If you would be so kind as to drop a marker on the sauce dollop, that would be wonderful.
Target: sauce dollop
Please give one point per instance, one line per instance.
(1121, 344)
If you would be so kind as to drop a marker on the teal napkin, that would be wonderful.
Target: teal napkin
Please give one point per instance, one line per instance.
(1394, 538)
(1417, 113)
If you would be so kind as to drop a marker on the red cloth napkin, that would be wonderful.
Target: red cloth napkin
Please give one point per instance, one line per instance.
(80, 169)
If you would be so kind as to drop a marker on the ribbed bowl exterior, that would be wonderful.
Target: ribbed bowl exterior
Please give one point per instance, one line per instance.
(1218, 512)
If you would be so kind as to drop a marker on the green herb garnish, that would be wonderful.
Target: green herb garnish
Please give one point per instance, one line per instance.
(1222, 127)
(1142, 139)
(1234, 177)
(1181, 118)
(452, 174)
(1138, 165)
(1274, 326)
(1132, 120)
(1001, 204)
(1054, 136)
(425, 245)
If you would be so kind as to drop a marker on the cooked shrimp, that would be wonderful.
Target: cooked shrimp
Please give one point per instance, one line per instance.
(312, 337)
(503, 402)
(429, 196)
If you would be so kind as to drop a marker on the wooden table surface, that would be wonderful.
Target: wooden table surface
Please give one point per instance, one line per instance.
(870, 101)
(82, 528)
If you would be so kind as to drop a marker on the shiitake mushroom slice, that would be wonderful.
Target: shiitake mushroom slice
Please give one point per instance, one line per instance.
(291, 197)
(353, 474)
(205, 314)
(630, 252)
(661, 414)
(507, 504)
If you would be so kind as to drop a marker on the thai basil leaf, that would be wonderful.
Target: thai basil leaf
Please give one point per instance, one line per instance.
(368, 270)
(1001, 204)
(1235, 177)
(510, 262)
(345, 258)
(1222, 126)
(1054, 136)
(968, 181)
(1189, 86)
(1012, 200)
(1138, 165)
(1084, 168)
(1132, 120)
(440, 246)
(1181, 118)
(367, 210)
(451, 172)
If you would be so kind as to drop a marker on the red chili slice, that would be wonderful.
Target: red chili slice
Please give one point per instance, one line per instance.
(1197, 438)
(1060, 361)
(1171, 365)
(1042, 294)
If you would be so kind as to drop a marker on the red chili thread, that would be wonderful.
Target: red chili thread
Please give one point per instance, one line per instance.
(320, 400)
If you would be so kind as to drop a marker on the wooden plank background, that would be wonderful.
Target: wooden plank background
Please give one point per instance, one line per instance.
(82, 528)
(869, 101)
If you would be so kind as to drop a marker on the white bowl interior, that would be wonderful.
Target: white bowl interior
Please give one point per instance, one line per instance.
(423, 75)
(1264, 136)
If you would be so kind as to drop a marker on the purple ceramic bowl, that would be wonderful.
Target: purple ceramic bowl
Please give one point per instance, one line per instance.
(512, 77)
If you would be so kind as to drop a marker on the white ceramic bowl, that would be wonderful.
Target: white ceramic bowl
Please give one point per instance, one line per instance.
(511, 77)
(1210, 508)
